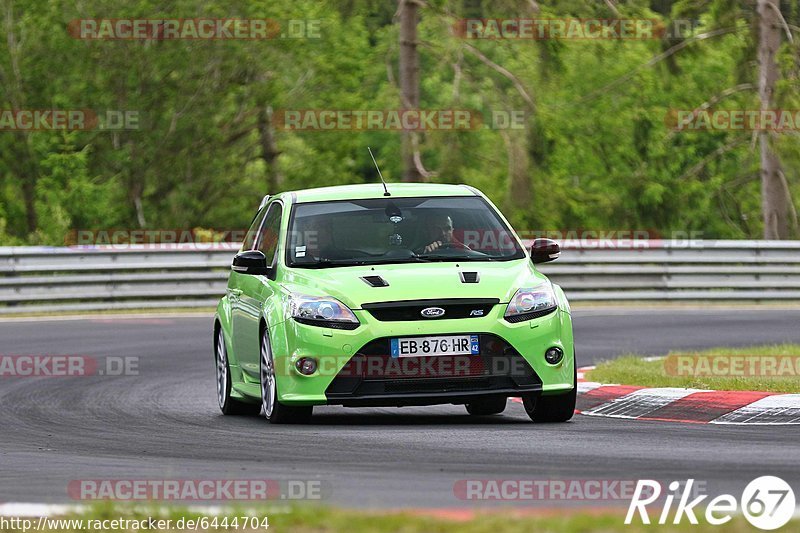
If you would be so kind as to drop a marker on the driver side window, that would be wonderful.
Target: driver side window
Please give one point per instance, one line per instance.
(267, 241)
(250, 238)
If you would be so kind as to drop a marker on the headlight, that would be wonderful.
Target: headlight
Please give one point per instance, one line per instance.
(321, 311)
(530, 303)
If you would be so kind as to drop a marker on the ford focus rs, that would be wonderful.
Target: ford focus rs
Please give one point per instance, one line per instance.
(419, 295)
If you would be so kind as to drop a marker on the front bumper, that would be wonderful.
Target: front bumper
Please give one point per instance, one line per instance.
(522, 345)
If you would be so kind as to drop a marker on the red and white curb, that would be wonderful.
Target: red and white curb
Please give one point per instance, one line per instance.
(694, 406)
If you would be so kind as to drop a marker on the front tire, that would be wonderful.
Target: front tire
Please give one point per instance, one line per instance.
(228, 405)
(557, 408)
(487, 406)
(274, 410)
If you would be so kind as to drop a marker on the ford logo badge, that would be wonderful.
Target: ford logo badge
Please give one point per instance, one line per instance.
(432, 312)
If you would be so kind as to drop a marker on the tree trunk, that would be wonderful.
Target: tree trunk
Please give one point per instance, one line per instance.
(136, 187)
(135, 191)
(24, 157)
(409, 81)
(269, 148)
(518, 195)
(775, 199)
(29, 196)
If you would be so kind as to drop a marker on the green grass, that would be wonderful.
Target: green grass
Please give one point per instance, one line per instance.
(324, 520)
(633, 370)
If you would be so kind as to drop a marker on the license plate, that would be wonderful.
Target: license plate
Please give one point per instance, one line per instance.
(444, 345)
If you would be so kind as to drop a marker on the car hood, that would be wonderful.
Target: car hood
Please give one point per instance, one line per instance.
(417, 281)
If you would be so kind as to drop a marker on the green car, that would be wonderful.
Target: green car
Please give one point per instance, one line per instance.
(420, 294)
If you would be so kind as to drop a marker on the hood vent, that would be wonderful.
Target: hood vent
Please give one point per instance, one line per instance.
(469, 277)
(375, 281)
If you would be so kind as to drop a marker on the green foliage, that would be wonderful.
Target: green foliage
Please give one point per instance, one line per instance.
(595, 150)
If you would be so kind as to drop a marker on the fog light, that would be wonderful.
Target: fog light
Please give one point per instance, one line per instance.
(306, 365)
(554, 355)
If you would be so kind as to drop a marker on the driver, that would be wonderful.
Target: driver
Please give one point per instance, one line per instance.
(440, 234)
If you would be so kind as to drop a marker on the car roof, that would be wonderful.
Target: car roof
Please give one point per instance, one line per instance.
(375, 190)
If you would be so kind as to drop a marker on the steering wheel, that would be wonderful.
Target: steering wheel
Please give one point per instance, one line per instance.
(453, 246)
(444, 246)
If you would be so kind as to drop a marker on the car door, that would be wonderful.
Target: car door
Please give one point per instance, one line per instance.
(236, 281)
(256, 290)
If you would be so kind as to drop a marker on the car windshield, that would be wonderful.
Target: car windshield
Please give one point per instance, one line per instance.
(398, 230)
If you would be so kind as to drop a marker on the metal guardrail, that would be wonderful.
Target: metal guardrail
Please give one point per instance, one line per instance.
(42, 279)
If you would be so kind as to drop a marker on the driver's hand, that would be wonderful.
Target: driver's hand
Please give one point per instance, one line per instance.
(432, 246)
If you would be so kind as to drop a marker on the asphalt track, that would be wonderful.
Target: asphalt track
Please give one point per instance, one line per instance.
(164, 423)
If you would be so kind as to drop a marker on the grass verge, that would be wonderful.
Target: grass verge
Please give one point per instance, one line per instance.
(774, 368)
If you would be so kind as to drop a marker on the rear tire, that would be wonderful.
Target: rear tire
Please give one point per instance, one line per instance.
(557, 408)
(274, 410)
(228, 405)
(487, 406)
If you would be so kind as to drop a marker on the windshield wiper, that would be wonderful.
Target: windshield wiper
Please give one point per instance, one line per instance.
(439, 257)
(330, 263)
(389, 261)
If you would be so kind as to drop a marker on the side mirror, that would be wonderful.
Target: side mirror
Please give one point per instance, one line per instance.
(250, 262)
(544, 250)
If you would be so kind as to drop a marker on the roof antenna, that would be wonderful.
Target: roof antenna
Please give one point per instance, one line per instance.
(379, 172)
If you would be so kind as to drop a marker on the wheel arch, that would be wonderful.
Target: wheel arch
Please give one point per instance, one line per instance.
(214, 339)
(222, 321)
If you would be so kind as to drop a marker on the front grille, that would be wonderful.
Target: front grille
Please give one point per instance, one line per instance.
(407, 310)
(373, 373)
(437, 385)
